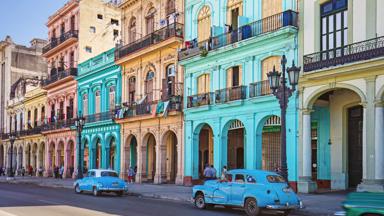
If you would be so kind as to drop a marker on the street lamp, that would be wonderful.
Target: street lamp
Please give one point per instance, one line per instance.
(79, 123)
(282, 92)
(12, 139)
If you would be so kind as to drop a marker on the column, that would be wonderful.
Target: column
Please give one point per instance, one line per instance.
(180, 158)
(67, 152)
(305, 184)
(219, 148)
(379, 140)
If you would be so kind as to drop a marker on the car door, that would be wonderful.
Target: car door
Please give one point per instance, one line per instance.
(238, 189)
(89, 179)
(222, 194)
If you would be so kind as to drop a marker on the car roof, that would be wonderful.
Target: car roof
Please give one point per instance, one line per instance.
(101, 170)
(252, 172)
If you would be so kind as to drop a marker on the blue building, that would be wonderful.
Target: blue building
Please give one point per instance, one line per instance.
(99, 92)
(231, 118)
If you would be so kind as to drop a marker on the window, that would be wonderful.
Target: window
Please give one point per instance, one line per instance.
(268, 64)
(150, 20)
(271, 7)
(62, 29)
(275, 179)
(170, 8)
(169, 82)
(132, 89)
(92, 29)
(99, 16)
(112, 98)
(115, 34)
(97, 101)
(72, 22)
(334, 28)
(234, 76)
(234, 10)
(204, 24)
(203, 83)
(109, 173)
(91, 174)
(115, 22)
(72, 59)
(251, 179)
(239, 178)
(88, 49)
(228, 177)
(132, 30)
(149, 86)
(85, 104)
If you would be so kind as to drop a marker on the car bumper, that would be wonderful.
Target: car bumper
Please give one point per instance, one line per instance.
(340, 213)
(112, 189)
(285, 207)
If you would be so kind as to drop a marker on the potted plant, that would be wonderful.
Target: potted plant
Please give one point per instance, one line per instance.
(203, 52)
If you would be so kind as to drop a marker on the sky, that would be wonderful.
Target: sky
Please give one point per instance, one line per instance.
(24, 20)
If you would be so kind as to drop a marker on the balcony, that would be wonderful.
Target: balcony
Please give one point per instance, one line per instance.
(230, 94)
(59, 75)
(60, 124)
(100, 117)
(355, 52)
(260, 27)
(200, 100)
(172, 30)
(175, 103)
(144, 108)
(60, 40)
(259, 89)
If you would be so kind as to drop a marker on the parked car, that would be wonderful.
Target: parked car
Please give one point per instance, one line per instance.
(100, 180)
(363, 204)
(253, 190)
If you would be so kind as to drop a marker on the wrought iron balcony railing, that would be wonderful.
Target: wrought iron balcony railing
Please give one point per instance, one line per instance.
(61, 124)
(100, 117)
(60, 75)
(134, 110)
(230, 94)
(260, 88)
(200, 99)
(355, 52)
(59, 40)
(172, 30)
(268, 24)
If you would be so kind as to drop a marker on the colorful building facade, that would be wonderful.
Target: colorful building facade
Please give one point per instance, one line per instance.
(341, 95)
(150, 117)
(99, 92)
(231, 118)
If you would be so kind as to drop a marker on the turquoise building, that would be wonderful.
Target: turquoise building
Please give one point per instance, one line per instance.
(99, 92)
(231, 117)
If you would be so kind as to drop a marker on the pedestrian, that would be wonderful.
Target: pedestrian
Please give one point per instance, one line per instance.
(71, 169)
(208, 172)
(61, 171)
(134, 175)
(131, 174)
(22, 171)
(224, 173)
(214, 171)
(40, 171)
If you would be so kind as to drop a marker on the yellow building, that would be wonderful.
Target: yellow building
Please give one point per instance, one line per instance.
(151, 118)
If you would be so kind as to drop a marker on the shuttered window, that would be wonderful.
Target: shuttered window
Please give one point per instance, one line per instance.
(204, 24)
(112, 98)
(203, 83)
(97, 101)
(85, 104)
(267, 65)
(271, 7)
(234, 10)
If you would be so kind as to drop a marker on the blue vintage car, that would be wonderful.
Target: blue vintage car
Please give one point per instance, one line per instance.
(100, 180)
(253, 190)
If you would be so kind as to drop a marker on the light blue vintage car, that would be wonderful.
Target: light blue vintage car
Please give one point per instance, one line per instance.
(253, 190)
(100, 180)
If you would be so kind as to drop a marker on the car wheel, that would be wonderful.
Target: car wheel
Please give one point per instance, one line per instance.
(77, 189)
(200, 201)
(286, 212)
(251, 207)
(119, 193)
(95, 192)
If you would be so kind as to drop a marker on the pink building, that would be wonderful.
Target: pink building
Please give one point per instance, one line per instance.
(61, 54)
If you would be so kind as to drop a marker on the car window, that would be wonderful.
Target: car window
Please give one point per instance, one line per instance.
(228, 177)
(251, 179)
(239, 178)
(275, 179)
(91, 174)
(108, 173)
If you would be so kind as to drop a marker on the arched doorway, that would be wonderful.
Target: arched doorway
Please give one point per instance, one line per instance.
(97, 155)
(60, 154)
(51, 156)
(205, 139)
(112, 153)
(41, 155)
(150, 168)
(130, 153)
(336, 139)
(19, 158)
(170, 140)
(70, 158)
(235, 145)
(34, 156)
(271, 144)
(29, 156)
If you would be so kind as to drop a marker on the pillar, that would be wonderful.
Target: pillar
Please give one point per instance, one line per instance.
(379, 140)
(180, 158)
(305, 184)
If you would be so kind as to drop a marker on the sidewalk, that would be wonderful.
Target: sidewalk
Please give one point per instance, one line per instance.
(315, 204)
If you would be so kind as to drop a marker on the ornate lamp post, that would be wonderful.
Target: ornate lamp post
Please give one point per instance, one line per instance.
(282, 92)
(12, 139)
(79, 123)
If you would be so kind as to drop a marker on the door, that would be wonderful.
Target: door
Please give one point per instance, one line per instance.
(238, 189)
(355, 140)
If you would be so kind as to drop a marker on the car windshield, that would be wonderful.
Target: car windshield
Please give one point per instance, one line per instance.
(275, 179)
(106, 173)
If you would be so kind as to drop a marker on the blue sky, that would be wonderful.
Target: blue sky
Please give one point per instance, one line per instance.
(26, 19)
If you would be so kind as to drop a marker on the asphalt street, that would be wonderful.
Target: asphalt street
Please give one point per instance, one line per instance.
(31, 200)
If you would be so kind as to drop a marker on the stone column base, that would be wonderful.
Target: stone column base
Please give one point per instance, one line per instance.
(306, 185)
(188, 181)
(179, 180)
(159, 179)
(371, 185)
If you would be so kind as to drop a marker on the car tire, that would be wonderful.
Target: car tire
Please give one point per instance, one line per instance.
(77, 189)
(200, 202)
(251, 208)
(119, 193)
(286, 212)
(95, 192)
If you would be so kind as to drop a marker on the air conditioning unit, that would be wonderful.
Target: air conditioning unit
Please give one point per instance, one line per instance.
(163, 22)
